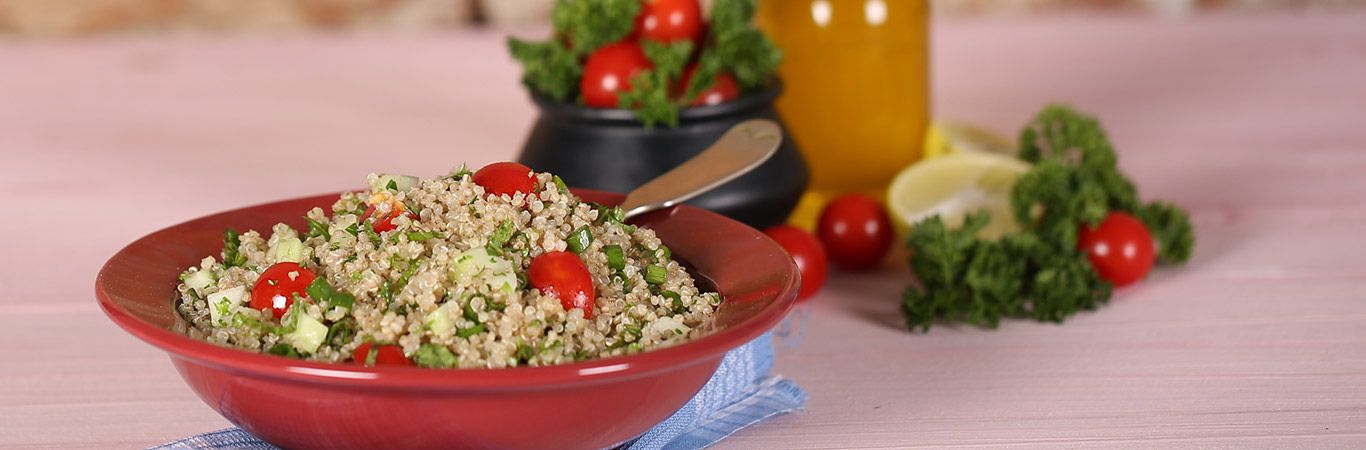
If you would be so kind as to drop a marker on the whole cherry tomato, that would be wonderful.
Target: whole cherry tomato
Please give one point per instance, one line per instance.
(385, 355)
(856, 231)
(563, 274)
(505, 178)
(1120, 248)
(723, 88)
(276, 287)
(807, 252)
(609, 71)
(669, 20)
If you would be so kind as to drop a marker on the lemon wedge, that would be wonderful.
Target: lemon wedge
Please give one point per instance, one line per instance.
(956, 184)
(947, 138)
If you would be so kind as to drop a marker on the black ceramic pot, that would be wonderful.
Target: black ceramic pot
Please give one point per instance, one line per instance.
(608, 149)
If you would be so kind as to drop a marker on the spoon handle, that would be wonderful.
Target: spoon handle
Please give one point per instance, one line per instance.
(744, 147)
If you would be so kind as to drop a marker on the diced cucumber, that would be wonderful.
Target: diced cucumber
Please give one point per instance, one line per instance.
(289, 250)
(441, 320)
(201, 279)
(502, 277)
(308, 333)
(500, 274)
(400, 183)
(471, 262)
(223, 303)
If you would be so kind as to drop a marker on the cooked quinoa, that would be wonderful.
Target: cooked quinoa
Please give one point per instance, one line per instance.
(448, 284)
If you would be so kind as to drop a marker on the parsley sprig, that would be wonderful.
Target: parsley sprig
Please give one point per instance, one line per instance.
(1037, 273)
(553, 67)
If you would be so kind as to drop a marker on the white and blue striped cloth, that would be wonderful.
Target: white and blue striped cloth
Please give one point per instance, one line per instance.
(740, 394)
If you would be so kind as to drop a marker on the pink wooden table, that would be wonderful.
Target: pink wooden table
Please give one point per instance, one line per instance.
(1255, 124)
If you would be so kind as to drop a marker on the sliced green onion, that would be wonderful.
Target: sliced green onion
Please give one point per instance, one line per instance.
(580, 239)
(678, 305)
(616, 257)
(470, 314)
(654, 274)
(665, 249)
(371, 355)
(559, 184)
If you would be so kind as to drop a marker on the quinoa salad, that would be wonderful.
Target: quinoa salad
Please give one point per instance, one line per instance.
(497, 268)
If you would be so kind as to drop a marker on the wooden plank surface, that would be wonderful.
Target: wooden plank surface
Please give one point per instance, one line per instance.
(1256, 124)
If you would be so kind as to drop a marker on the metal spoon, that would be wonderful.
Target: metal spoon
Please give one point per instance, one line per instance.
(744, 147)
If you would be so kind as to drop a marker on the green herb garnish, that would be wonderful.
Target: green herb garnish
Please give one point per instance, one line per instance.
(733, 44)
(1037, 273)
(317, 229)
(579, 239)
(285, 350)
(232, 257)
(421, 236)
(677, 301)
(616, 257)
(465, 333)
(323, 291)
(498, 241)
(434, 356)
(655, 274)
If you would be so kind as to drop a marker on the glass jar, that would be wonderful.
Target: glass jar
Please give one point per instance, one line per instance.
(856, 74)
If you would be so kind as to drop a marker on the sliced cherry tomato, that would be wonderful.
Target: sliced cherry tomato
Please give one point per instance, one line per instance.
(276, 287)
(563, 274)
(669, 20)
(1120, 248)
(723, 88)
(856, 231)
(609, 71)
(506, 178)
(385, 355)
(807, 252)
(386, 223)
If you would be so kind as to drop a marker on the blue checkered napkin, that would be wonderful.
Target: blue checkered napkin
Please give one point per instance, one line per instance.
(740, 394)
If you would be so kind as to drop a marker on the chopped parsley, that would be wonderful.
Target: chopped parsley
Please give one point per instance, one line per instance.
(323, 291)
(232, 241)
(317, 229)
(465, 333)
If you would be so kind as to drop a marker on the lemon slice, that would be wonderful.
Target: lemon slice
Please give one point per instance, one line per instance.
(946, 138)
(954, 185)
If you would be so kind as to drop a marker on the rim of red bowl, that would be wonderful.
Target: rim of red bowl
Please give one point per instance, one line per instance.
(617, 368)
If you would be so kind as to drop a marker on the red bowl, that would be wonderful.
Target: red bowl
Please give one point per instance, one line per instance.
(590, 404)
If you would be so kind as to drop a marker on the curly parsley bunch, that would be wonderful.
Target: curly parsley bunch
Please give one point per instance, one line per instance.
(1039, 272)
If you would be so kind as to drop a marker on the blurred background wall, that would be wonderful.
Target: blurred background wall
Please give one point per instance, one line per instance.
(47, 18)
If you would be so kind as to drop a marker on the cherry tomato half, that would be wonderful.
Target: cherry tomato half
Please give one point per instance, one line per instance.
(506, 178)
(386, 223)
(856, 231)
(563, 274)
(807, 252)
(276, 287)
(1120, 248)
(385, 355)
(722, 89)
(669, 20)
(609, 71)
